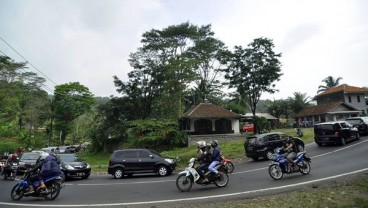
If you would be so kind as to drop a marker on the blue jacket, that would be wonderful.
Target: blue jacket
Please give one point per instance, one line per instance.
(216, 155)
(50, 165)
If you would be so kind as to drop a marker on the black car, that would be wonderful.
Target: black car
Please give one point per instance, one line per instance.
(73, 166)
(263, 145)
(335, 132)
(133, 161)
(28, 160)
(361, 123)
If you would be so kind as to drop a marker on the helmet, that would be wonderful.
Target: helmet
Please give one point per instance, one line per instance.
(201, 144)
(214, 143)
(43, 155)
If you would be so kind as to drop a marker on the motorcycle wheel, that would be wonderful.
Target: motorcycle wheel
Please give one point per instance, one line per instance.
(222, 180)
(305, 167)
(53, 190)
(17, 192)
(230, 167)
(184, 183)
(275, 172)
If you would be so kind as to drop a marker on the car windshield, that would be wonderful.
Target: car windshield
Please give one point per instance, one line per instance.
(33, 156)
(354, 121)
(155, 153)
(69, 158)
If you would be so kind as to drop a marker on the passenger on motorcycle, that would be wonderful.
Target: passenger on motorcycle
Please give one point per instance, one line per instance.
(204, 156)
(216, 156)
(49, 167)
(13, 158)
(290, 150)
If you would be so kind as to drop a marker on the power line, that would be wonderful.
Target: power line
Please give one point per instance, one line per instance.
(27, 61)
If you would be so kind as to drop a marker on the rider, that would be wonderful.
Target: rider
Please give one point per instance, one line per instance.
(203, 155)
(216, 157)
(290, 150)
(49, 167)
(12, 158)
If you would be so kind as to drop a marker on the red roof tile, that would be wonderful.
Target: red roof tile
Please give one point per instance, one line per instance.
(322, 109)
(346, 88)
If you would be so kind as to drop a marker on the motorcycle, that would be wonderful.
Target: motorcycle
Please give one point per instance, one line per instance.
(10, 172)
(50, 192)
(280, 165)
(186, 178)
(229, 165)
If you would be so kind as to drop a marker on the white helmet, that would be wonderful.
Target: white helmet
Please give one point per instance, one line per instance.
(201, 144)
(43, 155)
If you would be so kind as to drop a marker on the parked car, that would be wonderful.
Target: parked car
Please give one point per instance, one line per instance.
(133, 161)
(64, 149)
(73, 166)
(263, 145)
(334, 132)
(28, 160)
(361, 123)
(247, 128)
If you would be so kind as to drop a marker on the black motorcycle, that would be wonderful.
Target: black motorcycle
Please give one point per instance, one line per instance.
(10, 172)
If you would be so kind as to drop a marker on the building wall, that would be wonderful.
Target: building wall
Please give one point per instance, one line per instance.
(333, 97)
(357, 101)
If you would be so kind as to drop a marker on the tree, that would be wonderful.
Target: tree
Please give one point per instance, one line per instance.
(71, 101)
(253, 70)
(299, 101)
(169, 61)
(329, 83)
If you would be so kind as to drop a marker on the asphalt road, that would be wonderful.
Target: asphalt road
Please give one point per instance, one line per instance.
(249, 179)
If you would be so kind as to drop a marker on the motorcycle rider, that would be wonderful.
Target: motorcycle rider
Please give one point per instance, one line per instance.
(290, 150)
(49, 167)
(12, 158)
(216, 157)
(204, 156)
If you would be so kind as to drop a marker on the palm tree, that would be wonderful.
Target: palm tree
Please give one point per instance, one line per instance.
(330, 83)
(299, 101)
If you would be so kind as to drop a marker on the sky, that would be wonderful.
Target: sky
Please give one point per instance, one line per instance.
(89, 41)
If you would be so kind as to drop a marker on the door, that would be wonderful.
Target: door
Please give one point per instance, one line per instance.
(147, 160)
(129, 158)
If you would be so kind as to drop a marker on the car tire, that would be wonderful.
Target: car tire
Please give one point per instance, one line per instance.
(319, 144)
(162, 170)
(118, 173)
(269, 154)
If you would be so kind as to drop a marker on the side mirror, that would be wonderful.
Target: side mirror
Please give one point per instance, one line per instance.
(151, 156)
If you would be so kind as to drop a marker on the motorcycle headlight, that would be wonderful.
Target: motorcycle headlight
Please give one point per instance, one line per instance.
(69, 167)
(171, 161)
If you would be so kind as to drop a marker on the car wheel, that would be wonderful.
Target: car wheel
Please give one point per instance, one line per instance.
(118, 173)
(162, 170)
(300, 147)
(343, 141)
(269, 154)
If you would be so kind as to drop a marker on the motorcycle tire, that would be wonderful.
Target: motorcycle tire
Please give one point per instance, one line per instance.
(222, 180)
(17, 192)
(304, 167)
(184, 183)
(275, 172)
(53, 190)
(230, 167)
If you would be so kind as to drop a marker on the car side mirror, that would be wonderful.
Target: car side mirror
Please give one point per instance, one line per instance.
(151, 156)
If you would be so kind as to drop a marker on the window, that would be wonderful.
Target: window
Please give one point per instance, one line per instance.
(349, 97)
(358, 97)
(143, 154)
(129, 154)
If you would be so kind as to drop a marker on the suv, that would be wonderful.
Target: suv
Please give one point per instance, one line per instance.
(131, 161)
(359, 122)
(263, 145)
(335, 132)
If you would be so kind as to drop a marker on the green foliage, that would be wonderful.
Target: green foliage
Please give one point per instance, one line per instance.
(156, 134)
(263, 125)
(8, 145)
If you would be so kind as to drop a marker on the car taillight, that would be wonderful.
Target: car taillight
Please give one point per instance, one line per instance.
(336, 133)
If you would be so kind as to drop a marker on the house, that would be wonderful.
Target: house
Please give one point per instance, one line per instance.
(206, 118)
(337, 103)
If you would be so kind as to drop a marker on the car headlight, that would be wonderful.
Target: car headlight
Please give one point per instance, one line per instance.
(69, 167)
(88, 166)
(171, 161)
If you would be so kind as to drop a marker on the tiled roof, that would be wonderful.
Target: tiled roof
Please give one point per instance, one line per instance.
(323, 108)
(346, 88)
(209, 110)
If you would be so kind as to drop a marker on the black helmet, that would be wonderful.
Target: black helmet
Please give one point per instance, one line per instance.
(214, 143)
